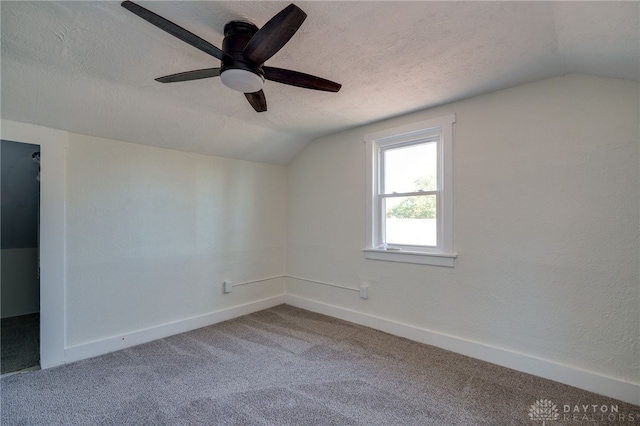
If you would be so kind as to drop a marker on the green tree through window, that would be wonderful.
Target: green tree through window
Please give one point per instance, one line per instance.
(418, 207)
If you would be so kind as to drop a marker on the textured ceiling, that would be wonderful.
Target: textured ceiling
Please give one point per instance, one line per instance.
(89, 67)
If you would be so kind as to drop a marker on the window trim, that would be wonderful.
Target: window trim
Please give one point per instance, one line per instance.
(443, 254)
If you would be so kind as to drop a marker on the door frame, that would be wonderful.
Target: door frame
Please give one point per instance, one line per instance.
(53, 144)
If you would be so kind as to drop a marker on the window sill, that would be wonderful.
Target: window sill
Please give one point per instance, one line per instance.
(404, 256)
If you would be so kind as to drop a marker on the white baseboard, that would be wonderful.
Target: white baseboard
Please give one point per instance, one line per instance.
(593, 382)
(116, 343)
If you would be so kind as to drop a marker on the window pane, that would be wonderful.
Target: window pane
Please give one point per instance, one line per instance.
(411, 168)
(411, 220)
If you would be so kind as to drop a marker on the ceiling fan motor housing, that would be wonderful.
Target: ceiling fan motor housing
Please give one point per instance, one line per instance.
(236, 36)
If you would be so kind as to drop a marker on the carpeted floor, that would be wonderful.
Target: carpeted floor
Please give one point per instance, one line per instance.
(287, 366)
(20, 342)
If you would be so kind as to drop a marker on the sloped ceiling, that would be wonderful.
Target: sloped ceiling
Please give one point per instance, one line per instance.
(89, 67)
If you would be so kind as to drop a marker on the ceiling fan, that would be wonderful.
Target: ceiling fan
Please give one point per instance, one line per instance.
(245, 49)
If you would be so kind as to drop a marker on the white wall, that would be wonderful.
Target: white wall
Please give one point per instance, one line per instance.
(546, 229)
(136, 241)
(152, 234)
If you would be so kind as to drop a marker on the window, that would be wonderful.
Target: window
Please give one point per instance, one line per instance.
(410, 194)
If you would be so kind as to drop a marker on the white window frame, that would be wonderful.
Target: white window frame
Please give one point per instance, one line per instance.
(439, 130)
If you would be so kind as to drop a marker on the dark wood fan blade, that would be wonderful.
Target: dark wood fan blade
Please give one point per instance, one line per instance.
(274, 34)
(257, 100)
(190, 75)
(300, 79)
(175, 30)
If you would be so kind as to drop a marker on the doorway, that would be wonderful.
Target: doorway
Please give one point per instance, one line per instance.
(20, 280)
(53, 145)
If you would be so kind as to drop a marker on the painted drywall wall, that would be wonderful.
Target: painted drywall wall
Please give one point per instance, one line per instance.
(153, 233)
(546, 227)
(20, 195)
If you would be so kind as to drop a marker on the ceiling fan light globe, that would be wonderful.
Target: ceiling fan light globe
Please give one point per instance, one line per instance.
(242, 80)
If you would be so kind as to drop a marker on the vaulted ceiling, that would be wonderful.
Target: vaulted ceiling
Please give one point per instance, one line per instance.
(89, 67)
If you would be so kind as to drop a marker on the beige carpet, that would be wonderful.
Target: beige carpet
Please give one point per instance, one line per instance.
(287, 366)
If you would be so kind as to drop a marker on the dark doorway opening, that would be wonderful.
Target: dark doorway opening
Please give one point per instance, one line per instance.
(20, 289)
